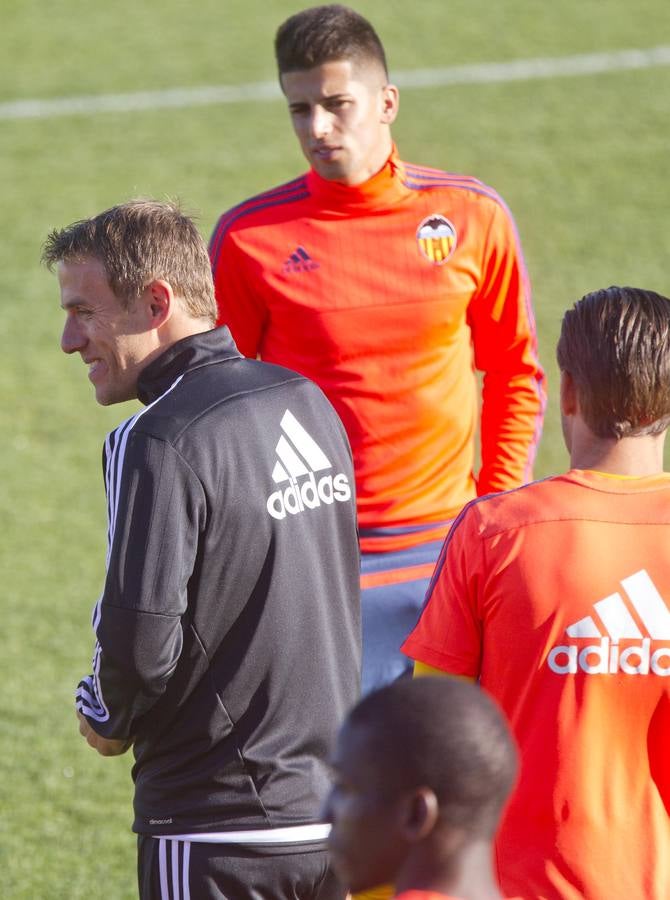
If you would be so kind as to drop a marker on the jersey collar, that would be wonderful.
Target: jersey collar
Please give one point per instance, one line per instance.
(382, 189)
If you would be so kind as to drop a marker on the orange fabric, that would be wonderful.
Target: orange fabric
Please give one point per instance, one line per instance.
(557, 597)
(396, 576)
(391, 541)
(335, 282)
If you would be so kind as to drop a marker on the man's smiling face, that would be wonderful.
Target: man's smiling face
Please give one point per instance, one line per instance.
(112, 339)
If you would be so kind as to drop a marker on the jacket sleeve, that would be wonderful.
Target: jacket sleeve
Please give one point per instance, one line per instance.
(156, 510)
(240, 308)
(505, 350)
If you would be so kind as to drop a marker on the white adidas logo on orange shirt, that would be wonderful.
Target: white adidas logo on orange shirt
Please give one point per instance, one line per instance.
(618, 624)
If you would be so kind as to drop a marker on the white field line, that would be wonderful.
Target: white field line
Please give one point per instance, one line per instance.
(482, 73)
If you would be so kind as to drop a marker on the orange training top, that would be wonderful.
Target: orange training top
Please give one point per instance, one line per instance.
(557, 596)
(387, 295)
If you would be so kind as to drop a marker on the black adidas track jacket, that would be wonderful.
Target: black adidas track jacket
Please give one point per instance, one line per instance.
(228, 632)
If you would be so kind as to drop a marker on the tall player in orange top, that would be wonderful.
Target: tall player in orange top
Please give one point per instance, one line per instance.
(556, 596)
(387, 284)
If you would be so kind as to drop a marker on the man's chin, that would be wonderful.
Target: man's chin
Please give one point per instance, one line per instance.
(328, 173)
(105, 397)
(329, 169)
(109, 398)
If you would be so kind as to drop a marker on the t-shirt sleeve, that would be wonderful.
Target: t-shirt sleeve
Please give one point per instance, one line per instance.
(505, 350)
(156, 510)
(239, 306)
(448, 635)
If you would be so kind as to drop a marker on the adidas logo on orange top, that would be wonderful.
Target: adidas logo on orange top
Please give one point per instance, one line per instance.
(300, 457)
(614, 623)
(299, 261)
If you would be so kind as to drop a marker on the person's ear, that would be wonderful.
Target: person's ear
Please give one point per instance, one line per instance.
(160, 302)
(419, 815)
(390, 104)
(568, 395)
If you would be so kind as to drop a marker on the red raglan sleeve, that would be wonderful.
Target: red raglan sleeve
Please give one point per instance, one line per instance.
(448, 635)
(505, 350)
(240, 306)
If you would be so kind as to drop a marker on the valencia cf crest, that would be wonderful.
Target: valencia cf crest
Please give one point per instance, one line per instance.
(436, 237)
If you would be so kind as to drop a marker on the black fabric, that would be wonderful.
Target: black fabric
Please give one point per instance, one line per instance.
(229, 637)
(224, 872)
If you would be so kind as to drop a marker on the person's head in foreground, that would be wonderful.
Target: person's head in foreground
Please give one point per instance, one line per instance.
(134, 280)
(422, 771)
(614, 357)
(332, 70)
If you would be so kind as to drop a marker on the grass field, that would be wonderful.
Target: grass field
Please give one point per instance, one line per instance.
(582, 162)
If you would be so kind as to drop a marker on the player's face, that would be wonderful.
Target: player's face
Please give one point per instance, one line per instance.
(341, 113)
(364, 845)
(113, 342)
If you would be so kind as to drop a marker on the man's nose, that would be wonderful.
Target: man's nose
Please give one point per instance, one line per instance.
(73, 338)
(320, 122)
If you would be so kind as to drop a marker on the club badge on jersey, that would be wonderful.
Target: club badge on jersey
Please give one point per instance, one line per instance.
(436, 237)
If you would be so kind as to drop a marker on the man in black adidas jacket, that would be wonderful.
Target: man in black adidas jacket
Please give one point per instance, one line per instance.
(227, 635)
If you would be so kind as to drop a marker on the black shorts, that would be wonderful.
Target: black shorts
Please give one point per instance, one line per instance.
(189, 870)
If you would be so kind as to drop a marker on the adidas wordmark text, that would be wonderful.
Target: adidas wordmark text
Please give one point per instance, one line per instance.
(606, 657)
(299, 459)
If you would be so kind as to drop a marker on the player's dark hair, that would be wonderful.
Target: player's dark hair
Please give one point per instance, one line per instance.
(444, 734)
(324, 34)
(615, 344)
(137, 242)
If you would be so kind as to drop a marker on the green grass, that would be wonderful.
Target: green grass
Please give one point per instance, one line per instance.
(581, 161)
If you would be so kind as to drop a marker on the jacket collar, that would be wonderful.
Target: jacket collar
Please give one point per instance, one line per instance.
(185, 355)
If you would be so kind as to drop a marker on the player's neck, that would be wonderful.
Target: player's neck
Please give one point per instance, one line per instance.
(632, 456)
(467, 875)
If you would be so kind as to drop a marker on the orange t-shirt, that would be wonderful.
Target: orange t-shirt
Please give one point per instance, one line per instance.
(388, 295)
(556, 596)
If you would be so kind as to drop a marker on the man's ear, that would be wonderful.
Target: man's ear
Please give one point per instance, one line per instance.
(568, 395)
(419, 815)
(390, 104)
(160, 302)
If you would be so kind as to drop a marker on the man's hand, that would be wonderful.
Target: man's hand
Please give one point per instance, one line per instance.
(104, 746)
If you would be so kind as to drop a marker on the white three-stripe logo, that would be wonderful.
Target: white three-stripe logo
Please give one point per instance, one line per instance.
(299, 459)
(613, 622)
(616, 618)
(293, 454)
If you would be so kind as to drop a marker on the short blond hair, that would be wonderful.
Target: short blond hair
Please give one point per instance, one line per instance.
(138, 242)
